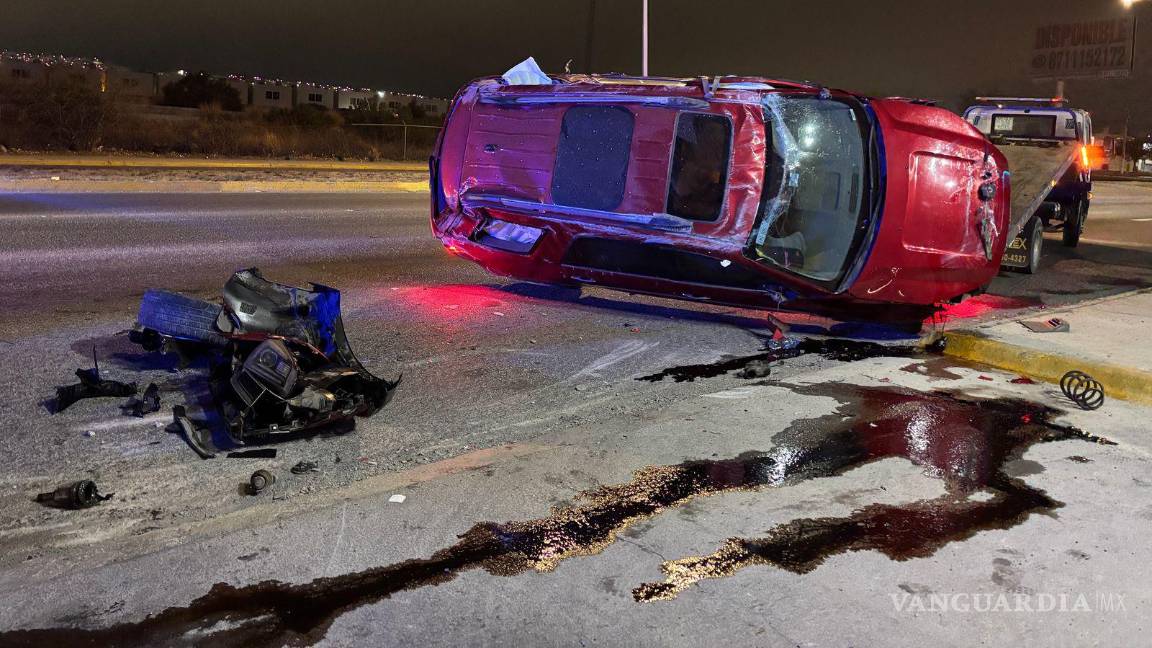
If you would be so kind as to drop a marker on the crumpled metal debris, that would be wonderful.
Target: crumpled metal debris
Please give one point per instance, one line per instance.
(305, 467)
(147, 403)
(91, 385)
(280, 363)
(77, 495)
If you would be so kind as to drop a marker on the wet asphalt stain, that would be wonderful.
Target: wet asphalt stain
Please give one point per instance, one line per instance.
(963, 442)
(933, 369)
(752, 366)
(966, 443)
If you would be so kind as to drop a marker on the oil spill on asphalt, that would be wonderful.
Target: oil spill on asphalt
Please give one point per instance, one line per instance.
(964, 442)
(843, 350)
(933, 369)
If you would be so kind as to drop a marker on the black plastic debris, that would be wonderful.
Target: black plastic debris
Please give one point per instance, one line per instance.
(1082, 389)
(91, 385)
(305, 467)
(147, 403)
(755, 369)
(77, 495)
(258, 453)
(280, 364)
(198, 438)
(260, 481)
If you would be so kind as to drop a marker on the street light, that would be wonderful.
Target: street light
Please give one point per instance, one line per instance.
(644, 41)
(1128, 3)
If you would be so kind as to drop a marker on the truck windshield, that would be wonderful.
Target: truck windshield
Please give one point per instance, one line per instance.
(814, 186)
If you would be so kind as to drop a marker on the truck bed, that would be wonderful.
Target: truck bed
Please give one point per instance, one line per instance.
(1034, 169)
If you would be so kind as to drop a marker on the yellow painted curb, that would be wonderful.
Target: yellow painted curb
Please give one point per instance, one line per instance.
(112, 162)
(211, 186)
(1120, 382)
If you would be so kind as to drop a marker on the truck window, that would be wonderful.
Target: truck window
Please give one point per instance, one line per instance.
(592, 157)
(699, 166)
(1024, 125)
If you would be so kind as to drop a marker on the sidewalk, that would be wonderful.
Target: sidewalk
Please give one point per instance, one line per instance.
(1108, 340)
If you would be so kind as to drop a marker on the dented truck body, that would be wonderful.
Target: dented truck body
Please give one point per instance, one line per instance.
(736, 190)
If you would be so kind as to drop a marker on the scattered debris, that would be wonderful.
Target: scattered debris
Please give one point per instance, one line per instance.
(983, 377)
(147, 403)
(77, 495)
(755, 369)
(259, 481)
(91, 385)
(1054, 325)
(397, 499)
(1022, 380)
(199, 439)
(1079, 459)
(279, 360)
(1082, 389)
(258, 453)
(305, 467)
(90, 433)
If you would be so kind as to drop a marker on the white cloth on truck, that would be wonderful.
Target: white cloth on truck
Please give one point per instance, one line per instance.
(527, 72)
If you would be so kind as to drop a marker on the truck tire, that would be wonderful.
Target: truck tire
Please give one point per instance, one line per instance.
(1034, 233)
(181, 317)
(1074, 223)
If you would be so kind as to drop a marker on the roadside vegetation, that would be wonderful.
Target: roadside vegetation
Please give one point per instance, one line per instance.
(202, 118)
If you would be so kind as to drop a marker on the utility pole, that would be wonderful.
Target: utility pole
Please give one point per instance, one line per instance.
(644, 41)
(589, 39)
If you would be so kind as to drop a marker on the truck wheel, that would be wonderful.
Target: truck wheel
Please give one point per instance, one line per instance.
(1034, 234)
(1074, 223)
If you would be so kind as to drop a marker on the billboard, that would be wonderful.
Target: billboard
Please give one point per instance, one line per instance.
(1093, 48)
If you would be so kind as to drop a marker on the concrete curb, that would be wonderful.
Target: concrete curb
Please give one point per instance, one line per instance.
(207, 186)
(113, 162)
(1121, 382)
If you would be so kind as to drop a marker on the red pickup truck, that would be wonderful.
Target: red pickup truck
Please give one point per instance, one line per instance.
(739, 190)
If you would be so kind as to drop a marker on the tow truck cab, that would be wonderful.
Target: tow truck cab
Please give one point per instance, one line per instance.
(1051, 153)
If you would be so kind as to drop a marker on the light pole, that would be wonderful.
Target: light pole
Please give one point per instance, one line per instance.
(644, 41)
(1127, 111)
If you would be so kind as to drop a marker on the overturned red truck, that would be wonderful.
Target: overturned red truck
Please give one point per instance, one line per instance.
(738, 190)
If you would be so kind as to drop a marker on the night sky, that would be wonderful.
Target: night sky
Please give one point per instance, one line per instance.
(945, 50)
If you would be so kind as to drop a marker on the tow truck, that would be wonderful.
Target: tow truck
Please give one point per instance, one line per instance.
(1051, 154)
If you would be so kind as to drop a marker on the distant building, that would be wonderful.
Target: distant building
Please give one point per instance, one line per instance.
(19, 71)
(349, 99)
(271, 94)
(315, 95)
(131, 86)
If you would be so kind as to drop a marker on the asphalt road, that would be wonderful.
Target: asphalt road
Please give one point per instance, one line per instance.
(489, 365)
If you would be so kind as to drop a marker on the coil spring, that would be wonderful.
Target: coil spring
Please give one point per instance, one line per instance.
(1082, 389)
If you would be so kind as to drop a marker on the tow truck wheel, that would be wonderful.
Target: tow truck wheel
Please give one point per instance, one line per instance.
(1034, 234)
(1074, 223)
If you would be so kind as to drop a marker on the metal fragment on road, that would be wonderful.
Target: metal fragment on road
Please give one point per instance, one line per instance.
(1082, 389)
